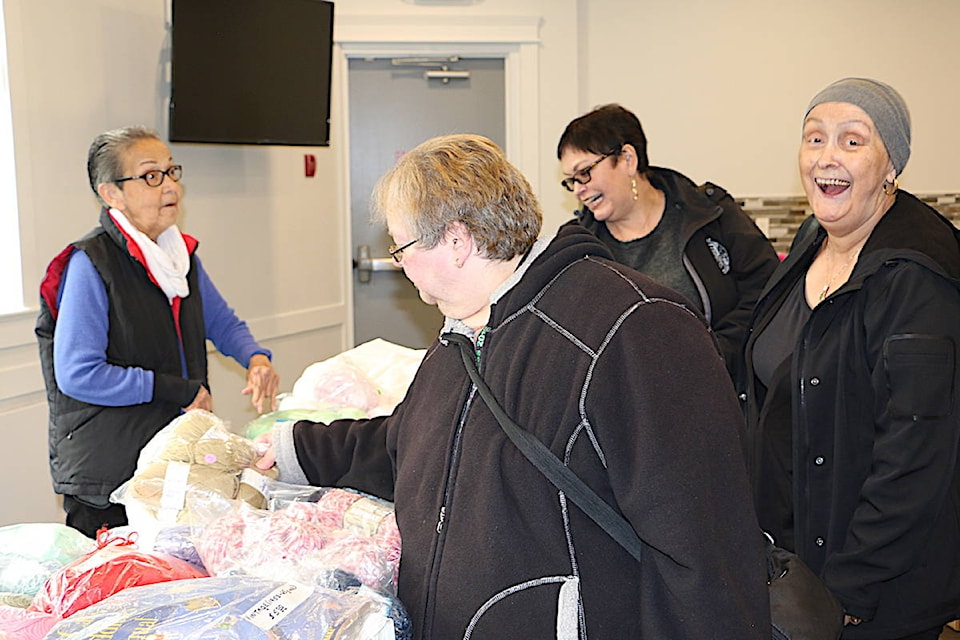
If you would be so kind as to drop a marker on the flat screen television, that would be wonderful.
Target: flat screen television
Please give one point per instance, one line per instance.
(251, 72)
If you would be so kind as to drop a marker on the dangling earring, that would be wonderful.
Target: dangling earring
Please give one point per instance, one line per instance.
(633, 188)
(890, 188)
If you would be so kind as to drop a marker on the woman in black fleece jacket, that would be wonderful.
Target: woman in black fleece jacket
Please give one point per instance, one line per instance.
(608, 369)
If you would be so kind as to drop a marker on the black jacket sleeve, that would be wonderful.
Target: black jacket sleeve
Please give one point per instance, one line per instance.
(752, 261)
(346, 453)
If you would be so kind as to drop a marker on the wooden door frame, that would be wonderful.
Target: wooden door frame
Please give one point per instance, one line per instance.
(514, 39)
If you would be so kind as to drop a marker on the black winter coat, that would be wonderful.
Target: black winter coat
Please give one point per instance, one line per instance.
(724, 253)
(874, 394)
(599, 363)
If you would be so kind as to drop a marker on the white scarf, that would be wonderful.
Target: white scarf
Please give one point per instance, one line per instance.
(167, 258)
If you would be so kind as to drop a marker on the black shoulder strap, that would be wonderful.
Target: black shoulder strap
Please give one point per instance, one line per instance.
(543, 459)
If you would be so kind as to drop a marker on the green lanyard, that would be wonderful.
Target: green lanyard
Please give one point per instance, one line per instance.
(481, 337)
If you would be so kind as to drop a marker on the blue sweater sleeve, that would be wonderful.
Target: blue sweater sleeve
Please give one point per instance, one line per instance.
(228, 333)
(80, 345)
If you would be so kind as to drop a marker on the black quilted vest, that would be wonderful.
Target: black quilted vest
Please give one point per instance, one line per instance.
(94, 449)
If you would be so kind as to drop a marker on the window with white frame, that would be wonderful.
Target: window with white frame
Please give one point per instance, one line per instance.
(11, 281)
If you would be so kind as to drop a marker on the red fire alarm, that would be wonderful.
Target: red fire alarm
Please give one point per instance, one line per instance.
(309, 165)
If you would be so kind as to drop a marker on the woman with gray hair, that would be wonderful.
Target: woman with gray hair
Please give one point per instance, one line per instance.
(852, 376)
(125, 314)
(592, 359)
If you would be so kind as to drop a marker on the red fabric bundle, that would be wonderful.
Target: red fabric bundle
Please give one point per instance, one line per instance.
(115, 565)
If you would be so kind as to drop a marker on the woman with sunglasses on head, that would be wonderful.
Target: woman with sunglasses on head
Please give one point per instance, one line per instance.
(693, 239)
(125, 315)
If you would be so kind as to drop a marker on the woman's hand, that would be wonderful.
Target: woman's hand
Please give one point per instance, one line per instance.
(846, 619)
(262, 382)
(203, 400)
(268, 457)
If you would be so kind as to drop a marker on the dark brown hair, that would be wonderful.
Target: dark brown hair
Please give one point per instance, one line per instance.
(604, 130)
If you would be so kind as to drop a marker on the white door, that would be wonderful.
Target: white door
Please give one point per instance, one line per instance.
(394, 106)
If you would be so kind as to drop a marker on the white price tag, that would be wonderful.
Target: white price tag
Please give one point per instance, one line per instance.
(174, 490)
(256, 480)
(270, 611)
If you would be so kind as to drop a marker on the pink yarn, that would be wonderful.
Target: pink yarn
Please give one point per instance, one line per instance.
(334, 504)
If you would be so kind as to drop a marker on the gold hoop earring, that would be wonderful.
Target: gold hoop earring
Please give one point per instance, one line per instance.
(633, 188)
(890, 188)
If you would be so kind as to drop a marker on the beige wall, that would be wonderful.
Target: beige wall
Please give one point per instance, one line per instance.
(720, 86)
(273, 240)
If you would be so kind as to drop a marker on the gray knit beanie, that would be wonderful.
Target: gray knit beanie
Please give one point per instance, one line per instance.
(884, 106)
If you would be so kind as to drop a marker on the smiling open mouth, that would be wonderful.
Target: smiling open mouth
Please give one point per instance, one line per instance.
(832, 186)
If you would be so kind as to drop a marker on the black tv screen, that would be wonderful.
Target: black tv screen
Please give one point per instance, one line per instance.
(251, 71)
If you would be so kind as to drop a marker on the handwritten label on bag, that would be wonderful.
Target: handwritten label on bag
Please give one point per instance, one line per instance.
(278, 604)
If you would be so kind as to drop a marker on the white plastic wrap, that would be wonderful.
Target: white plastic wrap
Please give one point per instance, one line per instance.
(31, 552)
(237, 608)
(372, 377)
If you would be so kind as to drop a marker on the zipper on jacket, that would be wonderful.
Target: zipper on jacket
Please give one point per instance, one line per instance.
(701, 288)
(455, 451)
(428, 603)
(454, 459)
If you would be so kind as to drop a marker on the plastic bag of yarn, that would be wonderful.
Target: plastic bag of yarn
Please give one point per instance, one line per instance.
(336, 383)
(354, 511)
(194, 454)
(31, 552)
(174, 540)
(239, 608)
(117, 564)
(298, 543)
(373, 376)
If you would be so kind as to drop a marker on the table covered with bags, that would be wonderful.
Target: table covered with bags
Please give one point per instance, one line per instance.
(216, 549)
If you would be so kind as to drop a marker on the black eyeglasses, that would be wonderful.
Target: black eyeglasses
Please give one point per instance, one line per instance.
(155, 178)
(583, 175)
(397, 252)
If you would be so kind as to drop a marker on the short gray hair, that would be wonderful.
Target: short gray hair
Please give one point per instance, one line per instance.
(105, 157)
(467, 179)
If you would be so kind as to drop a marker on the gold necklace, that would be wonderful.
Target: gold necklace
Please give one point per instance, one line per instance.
(836, 272)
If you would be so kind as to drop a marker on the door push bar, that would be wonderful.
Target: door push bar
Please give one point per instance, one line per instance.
(365, 265)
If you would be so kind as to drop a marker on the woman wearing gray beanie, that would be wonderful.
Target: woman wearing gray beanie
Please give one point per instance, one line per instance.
(852, 382)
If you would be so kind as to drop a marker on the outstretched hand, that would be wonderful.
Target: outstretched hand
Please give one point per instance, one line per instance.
(203, 400)
(262, 382)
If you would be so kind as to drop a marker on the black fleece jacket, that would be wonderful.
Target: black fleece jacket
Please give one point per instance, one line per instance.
(598, 362)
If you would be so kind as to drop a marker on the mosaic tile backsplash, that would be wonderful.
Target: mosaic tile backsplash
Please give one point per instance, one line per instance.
(780, 218)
